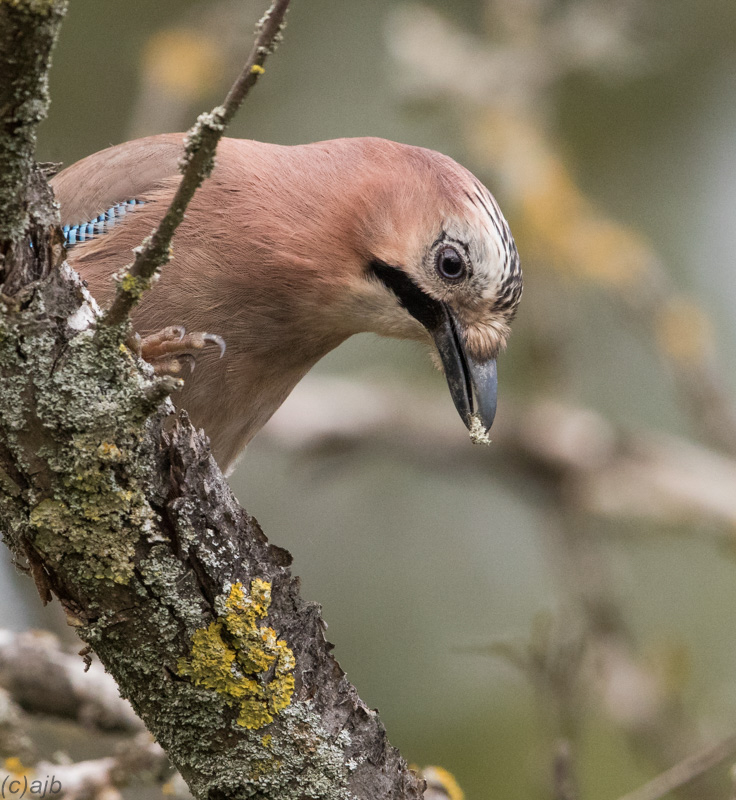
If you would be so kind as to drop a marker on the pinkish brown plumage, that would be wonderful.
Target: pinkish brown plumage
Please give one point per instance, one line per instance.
(287, 251)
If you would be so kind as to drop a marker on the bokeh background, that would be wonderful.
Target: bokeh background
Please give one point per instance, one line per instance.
(574, 585)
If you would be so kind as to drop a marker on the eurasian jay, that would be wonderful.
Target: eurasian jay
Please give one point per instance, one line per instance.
(285, 252)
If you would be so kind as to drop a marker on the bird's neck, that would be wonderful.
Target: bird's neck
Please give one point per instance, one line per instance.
(272, 341)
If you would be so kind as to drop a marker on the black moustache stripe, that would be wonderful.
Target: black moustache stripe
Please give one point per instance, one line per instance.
(419, 304)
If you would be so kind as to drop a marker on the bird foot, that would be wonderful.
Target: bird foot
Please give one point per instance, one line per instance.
(168, 350)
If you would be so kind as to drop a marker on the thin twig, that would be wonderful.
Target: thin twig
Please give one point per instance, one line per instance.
(684, 772)
(199, 152)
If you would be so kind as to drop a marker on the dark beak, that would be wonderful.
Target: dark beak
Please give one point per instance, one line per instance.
(473, 384)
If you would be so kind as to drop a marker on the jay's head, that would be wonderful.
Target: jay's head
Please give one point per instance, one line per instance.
(436, 261)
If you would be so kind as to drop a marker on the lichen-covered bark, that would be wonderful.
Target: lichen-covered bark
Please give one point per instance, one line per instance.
(28, 30)
(174, 586)
(120, 511)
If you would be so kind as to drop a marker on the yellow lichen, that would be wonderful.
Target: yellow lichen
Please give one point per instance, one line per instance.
(135, 286)
(243, 660)
(257, 70)
(109, 451)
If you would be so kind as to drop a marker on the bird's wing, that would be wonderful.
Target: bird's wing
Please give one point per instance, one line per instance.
(125, 172)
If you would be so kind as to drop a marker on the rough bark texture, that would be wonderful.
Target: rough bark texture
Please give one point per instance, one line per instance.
(120, 511)
(28, 30)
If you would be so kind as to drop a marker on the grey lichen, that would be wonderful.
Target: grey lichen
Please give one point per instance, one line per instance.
(207, 124)
(41, 8)
(268, 48)
(164, 575)
(28, 30)
(300, 760)
(88, 407)
(143, 540)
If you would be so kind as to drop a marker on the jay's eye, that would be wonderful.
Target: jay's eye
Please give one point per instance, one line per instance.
(450, 264)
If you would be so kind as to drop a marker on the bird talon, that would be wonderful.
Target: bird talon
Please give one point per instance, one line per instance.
(189, 359)
(213, 338)
(171, 367)
(169, 349)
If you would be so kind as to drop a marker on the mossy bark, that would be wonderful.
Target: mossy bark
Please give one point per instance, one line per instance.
(120, 512)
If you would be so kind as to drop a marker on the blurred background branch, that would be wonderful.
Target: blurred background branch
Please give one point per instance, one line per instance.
(40, 676)
(575, 454)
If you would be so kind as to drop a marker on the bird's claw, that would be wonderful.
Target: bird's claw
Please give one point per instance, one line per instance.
(213, 338)
(168, 350)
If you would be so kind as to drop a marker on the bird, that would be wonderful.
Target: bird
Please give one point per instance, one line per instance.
(285, 252)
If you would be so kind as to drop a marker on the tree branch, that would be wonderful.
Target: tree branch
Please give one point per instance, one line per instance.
(93, 779)
(128, 521)
(686, 771)
(41, 677)
(28, 31)
(573, 452)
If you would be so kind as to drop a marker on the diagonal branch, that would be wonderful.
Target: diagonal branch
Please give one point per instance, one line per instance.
(197, 163)
(127, 520)
(684, 772)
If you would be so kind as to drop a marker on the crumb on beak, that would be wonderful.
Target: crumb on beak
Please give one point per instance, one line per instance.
(478, 434)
